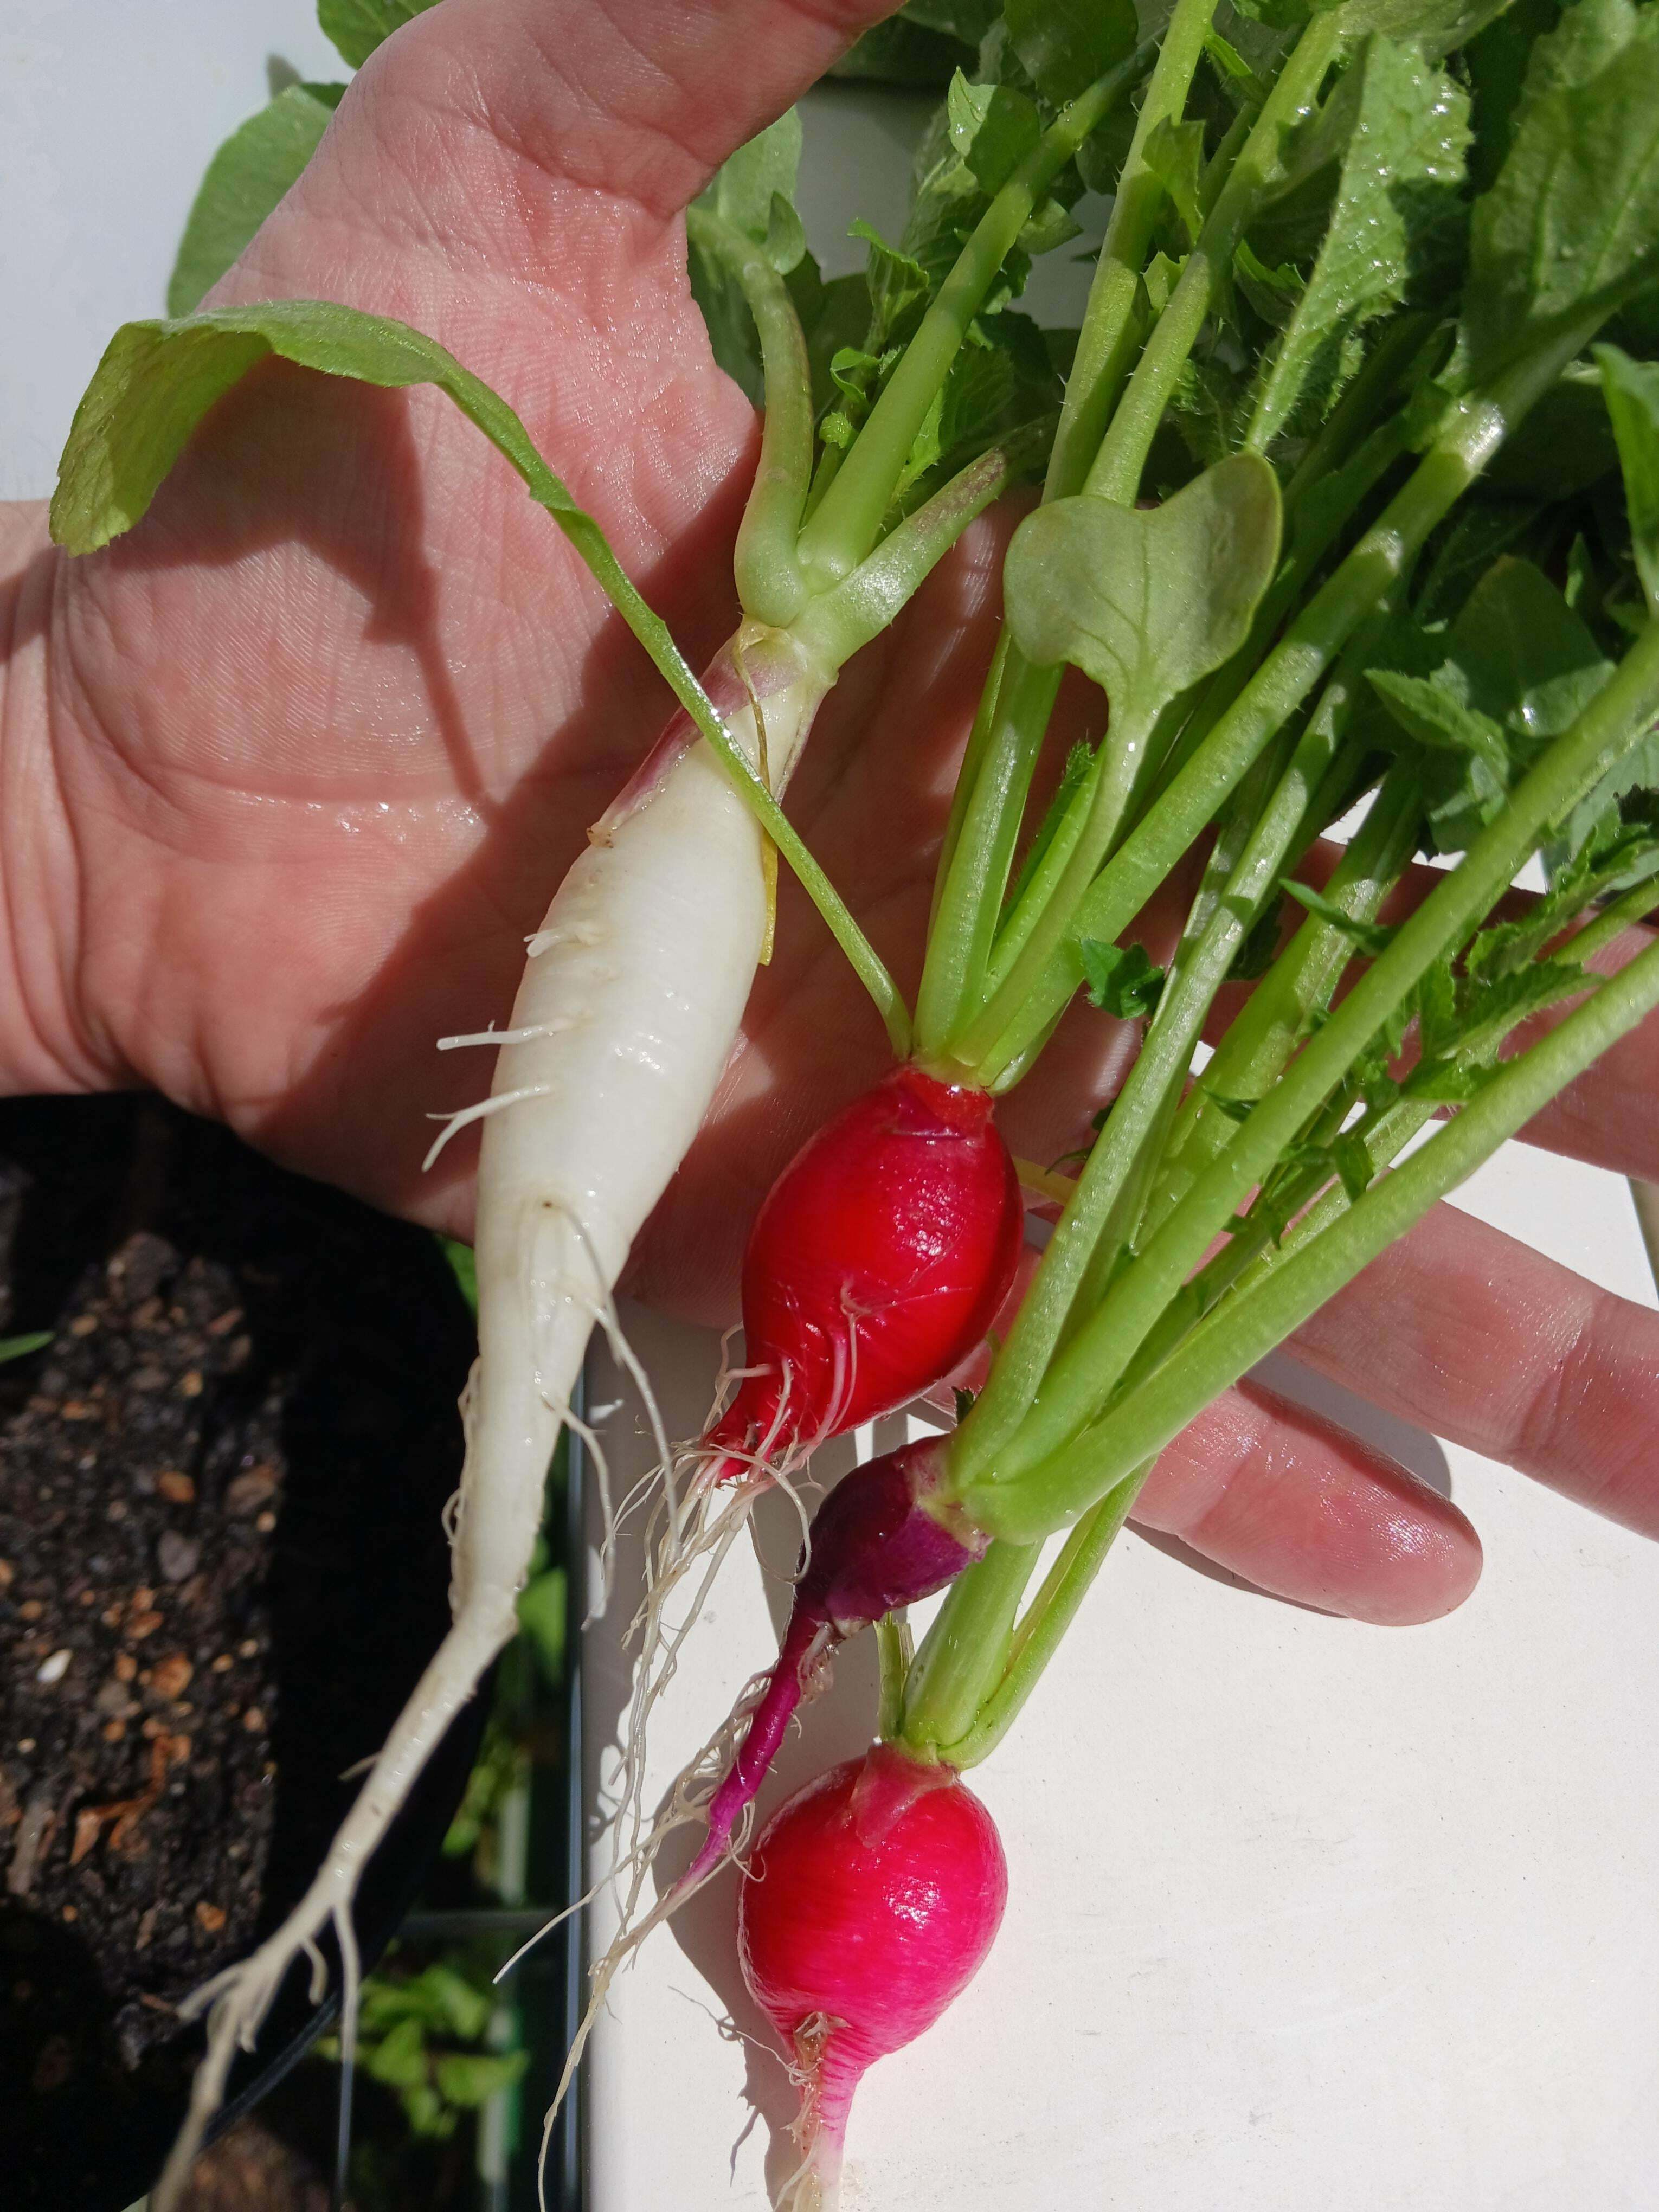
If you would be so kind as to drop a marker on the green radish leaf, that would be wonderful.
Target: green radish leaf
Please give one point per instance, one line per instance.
(1497, 63)
(245, 180)
(1432, 713)
(1632, 389)
(464, 1266)
(1517, 668)
(753, 191)
(1396, 229)
(1564, 444)
(993, 127)
(1435, 26)
(1121, 979)
(1174, 152)
(357, 27)
(1072, 777)
(907, 50)
(1146, 601)
(1370, 939)
(1064, 45)
(1570, 225)
(18, 1347)
(967, 20)
(1527, 658)
(1273, 292)
(899, 285)
(1352, 1161)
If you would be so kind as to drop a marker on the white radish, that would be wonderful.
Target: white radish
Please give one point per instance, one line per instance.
(632, 995)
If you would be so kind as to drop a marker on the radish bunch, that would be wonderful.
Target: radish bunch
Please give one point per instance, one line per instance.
(1263, 532)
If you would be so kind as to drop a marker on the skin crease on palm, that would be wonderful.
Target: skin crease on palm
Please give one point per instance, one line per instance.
(288, 774)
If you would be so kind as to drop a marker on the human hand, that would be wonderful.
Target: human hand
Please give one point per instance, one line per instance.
(291, 770)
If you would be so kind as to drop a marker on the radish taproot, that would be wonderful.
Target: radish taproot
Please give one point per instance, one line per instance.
(871, 1900)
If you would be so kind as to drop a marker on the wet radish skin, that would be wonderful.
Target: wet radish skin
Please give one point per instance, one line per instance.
(879, 1258)
(874, 1896)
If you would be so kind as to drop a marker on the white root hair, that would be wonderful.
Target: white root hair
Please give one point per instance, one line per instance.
(624, 1022)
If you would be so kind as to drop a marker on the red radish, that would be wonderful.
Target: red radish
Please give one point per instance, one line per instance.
(872, 1897)
(877, 1263)
(875, 1542)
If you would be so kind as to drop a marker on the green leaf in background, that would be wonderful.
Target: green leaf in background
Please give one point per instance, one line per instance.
(469, 2079)
(244, 180)
(542, 1614)
(1565, 445)
(357, 27)
(1064, 45)
(1631, 388)
(753, 191)
(464, 1265)
(1497, 63)
(1119, 979)
(1435, 26)
(1571, 223)
(1174, 152)
(1395, 224)
(902, 52)
(992, 126)
(1146, 601)
(1516, 668)
(18, 1347)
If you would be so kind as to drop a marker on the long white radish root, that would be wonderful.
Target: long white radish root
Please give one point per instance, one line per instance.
(632, 995)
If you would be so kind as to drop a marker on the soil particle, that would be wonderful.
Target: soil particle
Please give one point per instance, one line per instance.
(242, 1429)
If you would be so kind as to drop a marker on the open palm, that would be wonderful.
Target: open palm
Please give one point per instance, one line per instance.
(304, 754)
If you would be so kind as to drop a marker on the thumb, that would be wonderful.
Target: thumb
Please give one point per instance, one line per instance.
(524, 133)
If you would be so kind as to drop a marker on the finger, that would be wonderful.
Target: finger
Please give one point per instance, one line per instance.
(1294, 1504)
(1565, 1375)
(525, 134)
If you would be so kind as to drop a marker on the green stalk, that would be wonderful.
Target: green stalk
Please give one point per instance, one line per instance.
(1247, 1251)
(968, 774)
(1014, 708)
(1111, 321)
(848, 518)
(1255, 176)
(896, 1652)
(964, 928)
(1094, 1228)
(839, 621)
(1046, 1495)
(1280, 1010)
(1046, 1621)
(964, 1654)
(1030, 1000)
(1080, 1382)
(770, 585)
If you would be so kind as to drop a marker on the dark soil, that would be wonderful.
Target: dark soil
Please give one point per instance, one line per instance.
(221, 1569)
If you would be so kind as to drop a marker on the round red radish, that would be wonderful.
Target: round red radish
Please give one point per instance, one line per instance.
(872, 1897)
(876, 1263)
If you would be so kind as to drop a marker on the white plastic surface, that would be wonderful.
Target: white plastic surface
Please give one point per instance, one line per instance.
(1304, 1914)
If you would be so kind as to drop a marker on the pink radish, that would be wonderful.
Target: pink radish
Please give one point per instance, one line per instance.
(879, 1258)
(872, 1899)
